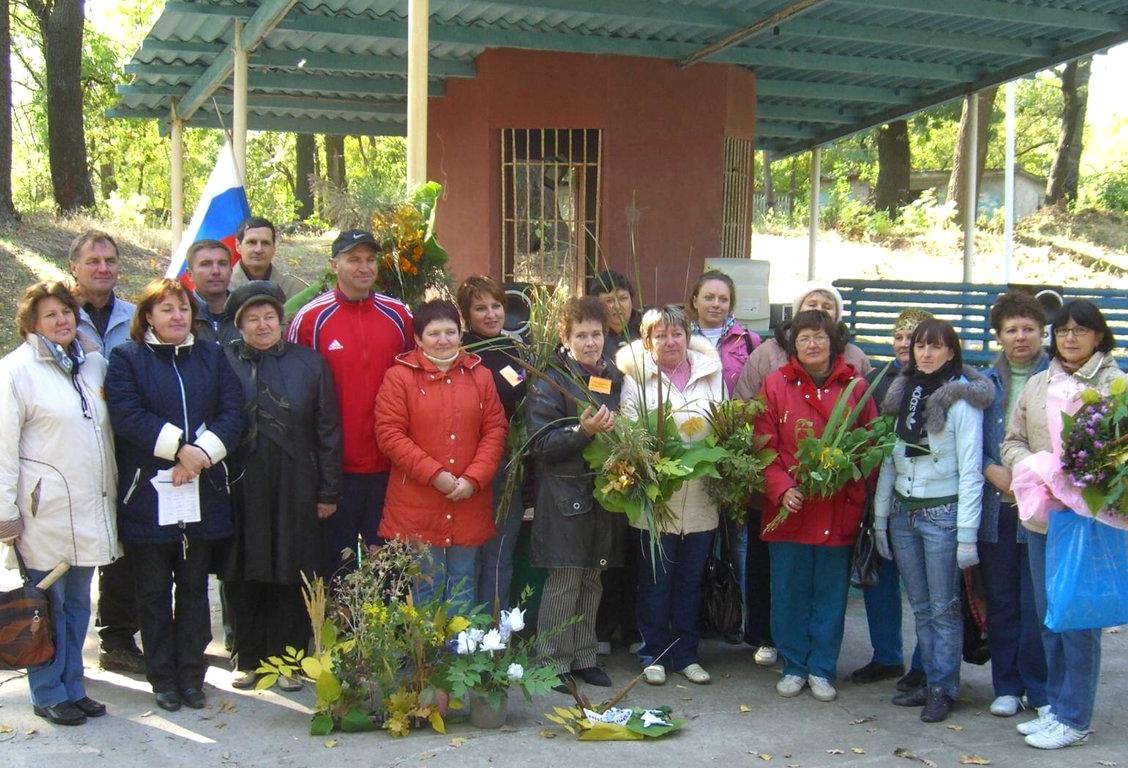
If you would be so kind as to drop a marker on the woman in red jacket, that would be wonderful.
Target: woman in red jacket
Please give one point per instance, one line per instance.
(440, 422)
(810, 550)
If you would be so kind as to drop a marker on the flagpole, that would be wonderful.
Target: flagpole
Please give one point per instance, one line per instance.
(239, 174)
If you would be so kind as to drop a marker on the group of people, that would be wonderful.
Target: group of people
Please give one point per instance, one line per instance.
(361, 421)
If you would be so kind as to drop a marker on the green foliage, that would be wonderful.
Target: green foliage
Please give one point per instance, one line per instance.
(741, 470)
(1106, 189)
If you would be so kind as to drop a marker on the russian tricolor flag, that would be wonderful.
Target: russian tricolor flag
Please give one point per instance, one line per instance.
(222, 208)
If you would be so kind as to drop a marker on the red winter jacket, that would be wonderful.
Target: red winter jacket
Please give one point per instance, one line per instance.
(359, 341)
(791, 395)
(428, 421)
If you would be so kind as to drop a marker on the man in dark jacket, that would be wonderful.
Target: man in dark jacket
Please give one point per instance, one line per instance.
(209, 267)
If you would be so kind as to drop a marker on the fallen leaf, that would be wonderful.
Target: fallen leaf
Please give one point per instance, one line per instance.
(787, 755)
(1113, 631)
(974, 760)
(857, 750)
(954, 727)
(745, 708)
(426, 755)
(1107, 763)
(457, 741)
(330, 743)
(32, 732)
(764, 756)
(6, 729)
(866, 719)
(221, 724)
(683, 687)
(836, 751)
(547, 734)
(226, 705)
(908, 755)
(146, 713)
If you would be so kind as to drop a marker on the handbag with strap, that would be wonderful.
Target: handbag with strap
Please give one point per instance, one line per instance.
(722, 606)
(863, 558)
(27, 629)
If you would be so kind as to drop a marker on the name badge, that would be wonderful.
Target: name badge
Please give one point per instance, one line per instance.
(599, 384)
(511, 376)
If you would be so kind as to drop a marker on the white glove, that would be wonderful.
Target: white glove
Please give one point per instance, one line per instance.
(967, 555)
(881, 542)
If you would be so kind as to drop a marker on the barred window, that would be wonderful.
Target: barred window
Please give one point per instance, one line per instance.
(550, 205)
(736, 224)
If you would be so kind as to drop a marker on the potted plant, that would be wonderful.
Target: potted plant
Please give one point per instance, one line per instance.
(489, 658)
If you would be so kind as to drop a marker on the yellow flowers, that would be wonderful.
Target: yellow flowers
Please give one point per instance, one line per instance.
(457, 624)
(694, 428)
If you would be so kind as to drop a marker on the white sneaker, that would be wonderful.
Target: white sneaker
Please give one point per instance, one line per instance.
(790, 685)
(1044, 720)
(1056, 736)
(766, 656)
(603, 648)
(695, 673)
(821, 688)
(1006, 706)
(655, 674)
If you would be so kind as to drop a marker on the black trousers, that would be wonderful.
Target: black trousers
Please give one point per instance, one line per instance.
(175, 625)
(618, 604)
(117, 605)
(758, 573)
(268, 618)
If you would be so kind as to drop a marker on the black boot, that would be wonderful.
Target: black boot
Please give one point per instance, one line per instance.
(937, 707)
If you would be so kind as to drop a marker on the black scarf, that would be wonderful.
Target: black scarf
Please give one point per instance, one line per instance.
(911, 417)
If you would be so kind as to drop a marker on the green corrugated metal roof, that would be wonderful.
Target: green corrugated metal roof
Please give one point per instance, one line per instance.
(835, 67)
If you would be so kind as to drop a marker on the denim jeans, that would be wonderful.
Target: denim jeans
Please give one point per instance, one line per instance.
(883, 616)
(810, 585)
(495, 567)
(1073, 659)
(450, 574)
(1018, 662)
(61, 679)
(924, 545)
(669, 598)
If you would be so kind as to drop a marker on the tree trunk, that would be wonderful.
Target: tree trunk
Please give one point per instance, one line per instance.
(306, 160)
(1062, 184)
(959, 162)
(61, 26)
(894, 164)
(107, 179)
(769, 188)
(335, 161)
(7, 207)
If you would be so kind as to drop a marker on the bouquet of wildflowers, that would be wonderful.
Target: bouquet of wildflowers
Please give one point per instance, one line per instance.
(741, 470)
(489, 658)
(1094, 443)
(843, 452)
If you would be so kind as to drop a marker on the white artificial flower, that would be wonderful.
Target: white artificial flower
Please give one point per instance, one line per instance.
(464, 643)
(492, 641)
(476, 636)
(515, 672)
(514, 619)
(653, 717)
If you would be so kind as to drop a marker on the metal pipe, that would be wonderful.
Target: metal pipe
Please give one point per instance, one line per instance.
(738, 37)
(813, 224)
(239, 106)
(176, 180)
(1008, 188)
(418, 46)
(971, 164)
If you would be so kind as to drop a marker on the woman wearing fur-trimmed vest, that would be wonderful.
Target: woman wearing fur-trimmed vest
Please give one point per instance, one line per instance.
(669, 592)
(929, 501)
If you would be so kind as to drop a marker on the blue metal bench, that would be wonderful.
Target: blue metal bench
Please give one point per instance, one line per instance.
(870, 307)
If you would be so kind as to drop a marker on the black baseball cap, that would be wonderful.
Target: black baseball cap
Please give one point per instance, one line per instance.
(351, 238)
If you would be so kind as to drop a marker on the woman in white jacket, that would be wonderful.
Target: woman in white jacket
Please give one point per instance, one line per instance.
(669, 592)
(929, 499)
(57, 482)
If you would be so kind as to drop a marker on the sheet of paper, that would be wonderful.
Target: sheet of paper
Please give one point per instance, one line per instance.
(176, 504)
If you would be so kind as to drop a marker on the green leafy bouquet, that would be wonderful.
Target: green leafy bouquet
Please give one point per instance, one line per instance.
(842, 453)
(741, 470)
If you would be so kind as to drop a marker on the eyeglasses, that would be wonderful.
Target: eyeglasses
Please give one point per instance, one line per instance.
(1077, 332)
(812, 341)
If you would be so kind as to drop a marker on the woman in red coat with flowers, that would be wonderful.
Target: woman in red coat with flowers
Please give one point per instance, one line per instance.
(810, 550)
(440, 421)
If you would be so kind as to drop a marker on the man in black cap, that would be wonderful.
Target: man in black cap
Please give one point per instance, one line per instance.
(359, 333)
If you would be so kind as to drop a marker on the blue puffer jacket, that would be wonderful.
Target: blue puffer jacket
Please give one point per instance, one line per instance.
(162, 396)
(993, 433)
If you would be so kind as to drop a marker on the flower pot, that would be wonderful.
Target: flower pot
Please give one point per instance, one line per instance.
(482, 715)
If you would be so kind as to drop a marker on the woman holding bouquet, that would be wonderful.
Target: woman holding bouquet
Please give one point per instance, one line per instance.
(573, 537)
(810, 549)
(929, 500)
(1080, 359)
(688, 374)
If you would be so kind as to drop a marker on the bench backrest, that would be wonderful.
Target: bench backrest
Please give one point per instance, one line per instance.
(870, 307)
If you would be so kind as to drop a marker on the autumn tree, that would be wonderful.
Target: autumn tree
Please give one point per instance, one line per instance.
(1064, 173)
(894, 165)
(7, 208)
(961, 164)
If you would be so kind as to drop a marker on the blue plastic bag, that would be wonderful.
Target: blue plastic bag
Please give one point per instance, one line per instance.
(1086, 573)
